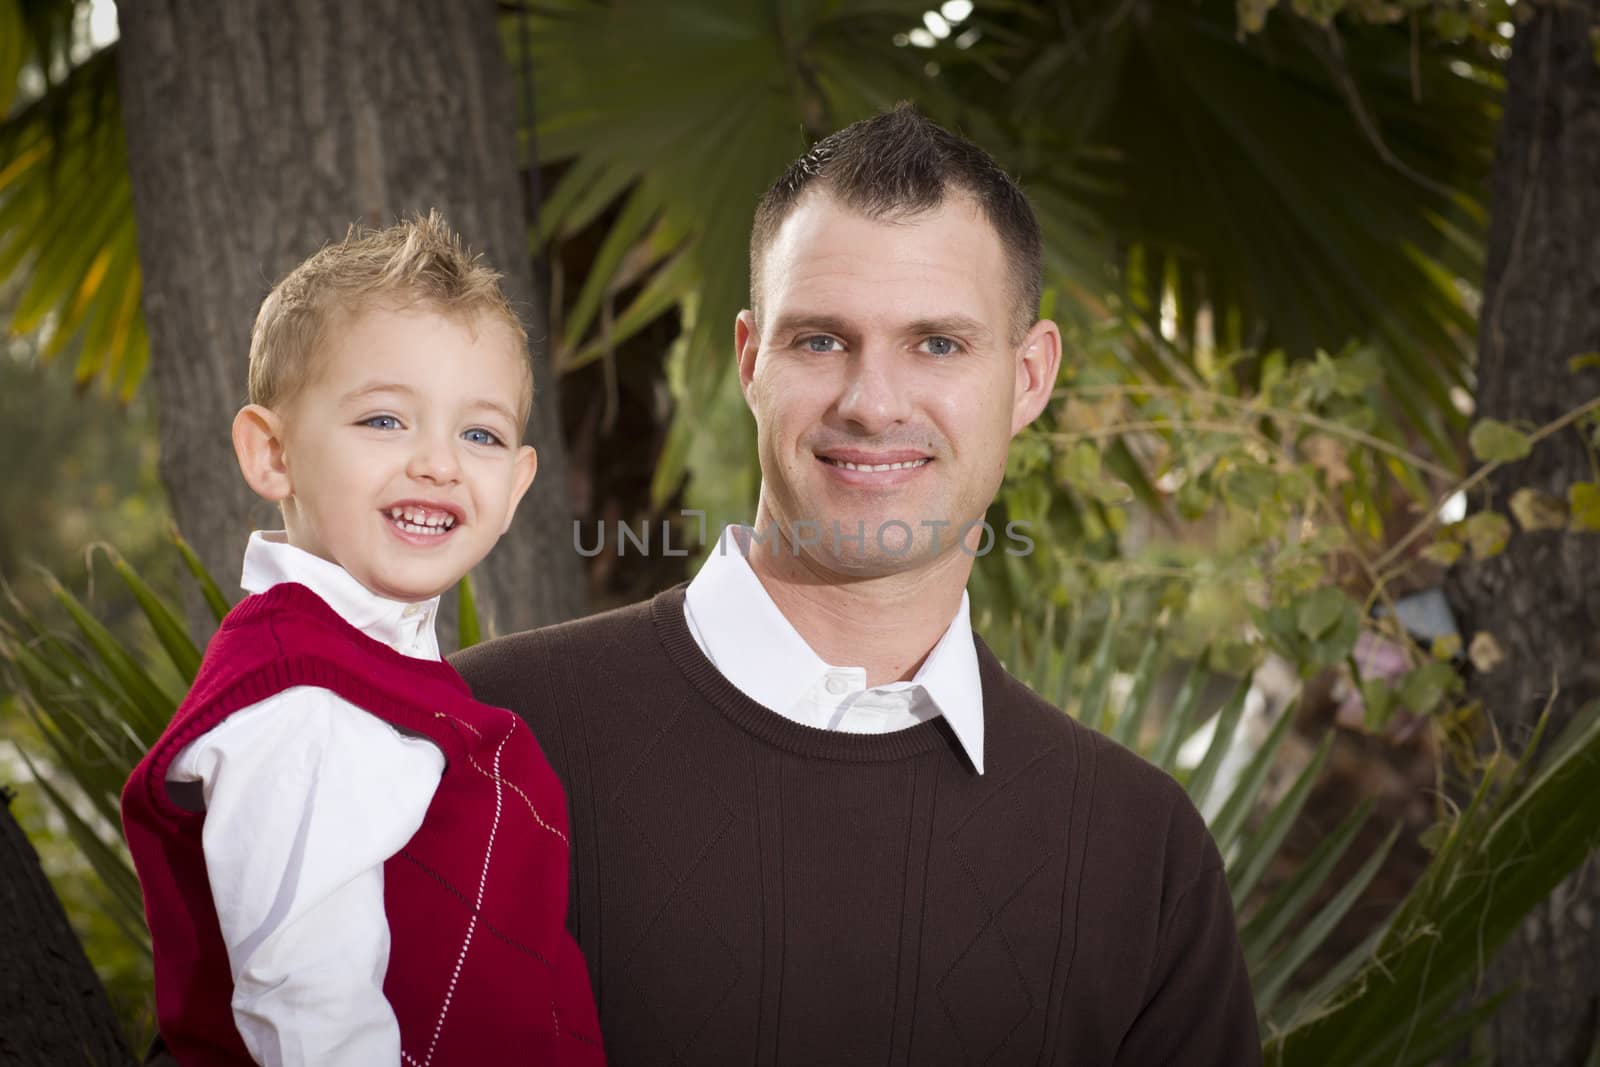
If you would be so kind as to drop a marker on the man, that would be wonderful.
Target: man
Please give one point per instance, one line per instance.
(814, 820)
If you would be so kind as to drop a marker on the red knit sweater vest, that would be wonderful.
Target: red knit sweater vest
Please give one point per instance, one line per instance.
(481, 967)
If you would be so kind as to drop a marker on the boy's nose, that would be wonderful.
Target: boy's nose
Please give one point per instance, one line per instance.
(434, 461)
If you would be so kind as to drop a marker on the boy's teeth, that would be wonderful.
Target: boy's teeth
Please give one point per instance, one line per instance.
(420, 520)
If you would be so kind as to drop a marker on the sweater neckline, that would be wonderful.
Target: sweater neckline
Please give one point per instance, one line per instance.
(297, 597)
(666, 610)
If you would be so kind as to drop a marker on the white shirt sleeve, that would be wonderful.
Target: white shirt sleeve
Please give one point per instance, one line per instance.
(306, 796)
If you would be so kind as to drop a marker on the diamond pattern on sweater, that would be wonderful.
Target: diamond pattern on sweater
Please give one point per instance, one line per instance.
(682, 971)
(681, 967)
(1002, 845)
(667, 798)
(985, 974)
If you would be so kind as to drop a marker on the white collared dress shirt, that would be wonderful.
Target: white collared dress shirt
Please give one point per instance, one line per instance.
(736, 624)
(306, 795)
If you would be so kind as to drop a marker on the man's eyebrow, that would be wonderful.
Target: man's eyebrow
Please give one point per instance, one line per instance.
(822, 323)
(959, 325)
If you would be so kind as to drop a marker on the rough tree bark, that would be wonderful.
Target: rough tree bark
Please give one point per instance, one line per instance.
(1540, 599)
(257, 131)
(53, 1009)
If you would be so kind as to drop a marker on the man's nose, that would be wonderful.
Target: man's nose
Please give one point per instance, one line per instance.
(876, 393)
(434, 459)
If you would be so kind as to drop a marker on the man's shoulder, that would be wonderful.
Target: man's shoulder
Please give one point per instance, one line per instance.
(596, 639)
(1124, 790)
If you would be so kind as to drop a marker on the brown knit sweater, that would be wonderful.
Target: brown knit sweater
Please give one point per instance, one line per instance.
(748, 890)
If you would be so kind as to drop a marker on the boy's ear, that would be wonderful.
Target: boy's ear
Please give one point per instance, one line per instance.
(258, 443)
(527, 466)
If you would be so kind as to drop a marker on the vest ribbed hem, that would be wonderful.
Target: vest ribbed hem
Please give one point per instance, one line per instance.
(666, 611)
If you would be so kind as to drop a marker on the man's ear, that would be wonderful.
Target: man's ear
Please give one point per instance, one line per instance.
(746, 343)
(527, 466)
(258, 444)
(1038, 360)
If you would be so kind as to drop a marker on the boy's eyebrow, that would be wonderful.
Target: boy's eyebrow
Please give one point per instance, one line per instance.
(480, 404)
(378, 387)
(495, 406)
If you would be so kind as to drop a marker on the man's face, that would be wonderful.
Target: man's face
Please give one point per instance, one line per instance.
(403, 457)
(885, 382)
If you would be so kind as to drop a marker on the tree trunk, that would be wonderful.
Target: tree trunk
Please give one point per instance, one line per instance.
(53, 1010)
(257, 132)
(1540, 599)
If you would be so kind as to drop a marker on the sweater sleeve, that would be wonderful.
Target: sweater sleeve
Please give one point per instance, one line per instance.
(306, 797)
(1199, 1010)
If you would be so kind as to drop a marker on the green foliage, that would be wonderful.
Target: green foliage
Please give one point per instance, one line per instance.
(1407, 991)
(1525, 830)
(1164, 136)
(1491, 439)
(66, 208)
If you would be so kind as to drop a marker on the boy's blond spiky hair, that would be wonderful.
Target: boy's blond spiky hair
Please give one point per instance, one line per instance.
(418, 262)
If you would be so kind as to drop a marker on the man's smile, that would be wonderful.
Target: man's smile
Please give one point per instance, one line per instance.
(858, 467)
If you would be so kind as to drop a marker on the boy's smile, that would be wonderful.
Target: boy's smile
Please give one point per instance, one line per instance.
(400, 460)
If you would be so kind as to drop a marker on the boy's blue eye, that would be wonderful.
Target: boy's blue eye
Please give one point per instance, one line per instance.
(482, 437)
(382, 422)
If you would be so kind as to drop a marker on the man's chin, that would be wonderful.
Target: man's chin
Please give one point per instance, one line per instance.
(860, 547)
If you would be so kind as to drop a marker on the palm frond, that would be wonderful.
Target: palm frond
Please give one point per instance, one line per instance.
(66, 226)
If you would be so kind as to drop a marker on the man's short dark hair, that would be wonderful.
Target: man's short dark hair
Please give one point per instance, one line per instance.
(899, 164)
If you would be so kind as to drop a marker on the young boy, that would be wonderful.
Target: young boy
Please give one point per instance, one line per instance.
(345, 858)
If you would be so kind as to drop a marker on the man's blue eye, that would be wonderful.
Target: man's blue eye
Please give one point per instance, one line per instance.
(482, 437)
(820, 343)
(942, 346)
(382, 422)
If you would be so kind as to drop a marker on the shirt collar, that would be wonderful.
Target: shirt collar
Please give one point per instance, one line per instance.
(269, 559)
(757, 649)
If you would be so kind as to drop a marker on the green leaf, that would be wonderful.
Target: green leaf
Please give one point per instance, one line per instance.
(1080, 466)
(174, 638)
(1493, 441)
(1487, 532)
(1317, 613)
(208, 587)
(1583, 501)
(1257, 850)
(1229, 823)
(1444, 551)
(1537, 510)
(1425, 688)
(151, 704)
(1126, 729)
(1222, 739)
(1259, 936)
(1179, 722)
(1269, 983)
(467, 627)
(1377, 701)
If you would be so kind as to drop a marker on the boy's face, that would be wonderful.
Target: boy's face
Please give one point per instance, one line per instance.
(402, 458)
